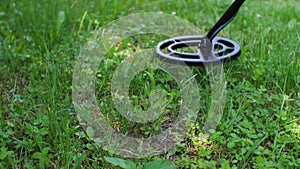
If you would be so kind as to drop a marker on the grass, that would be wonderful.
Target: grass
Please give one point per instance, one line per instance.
(39, 45)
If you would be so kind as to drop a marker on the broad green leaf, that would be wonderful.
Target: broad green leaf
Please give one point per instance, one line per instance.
(260, 160)
(45, 151)
(230, 144)
(225, 164)
(126, 164)
(44, 131)
(160, 164)
(90, 132)
(4, 153)
(36, 155)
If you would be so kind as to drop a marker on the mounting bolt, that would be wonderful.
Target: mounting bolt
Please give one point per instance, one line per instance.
(205, 48)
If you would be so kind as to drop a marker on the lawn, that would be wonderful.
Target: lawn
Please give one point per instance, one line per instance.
(41, 40)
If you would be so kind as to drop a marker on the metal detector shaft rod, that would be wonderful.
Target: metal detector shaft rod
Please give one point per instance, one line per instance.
(225, 19)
